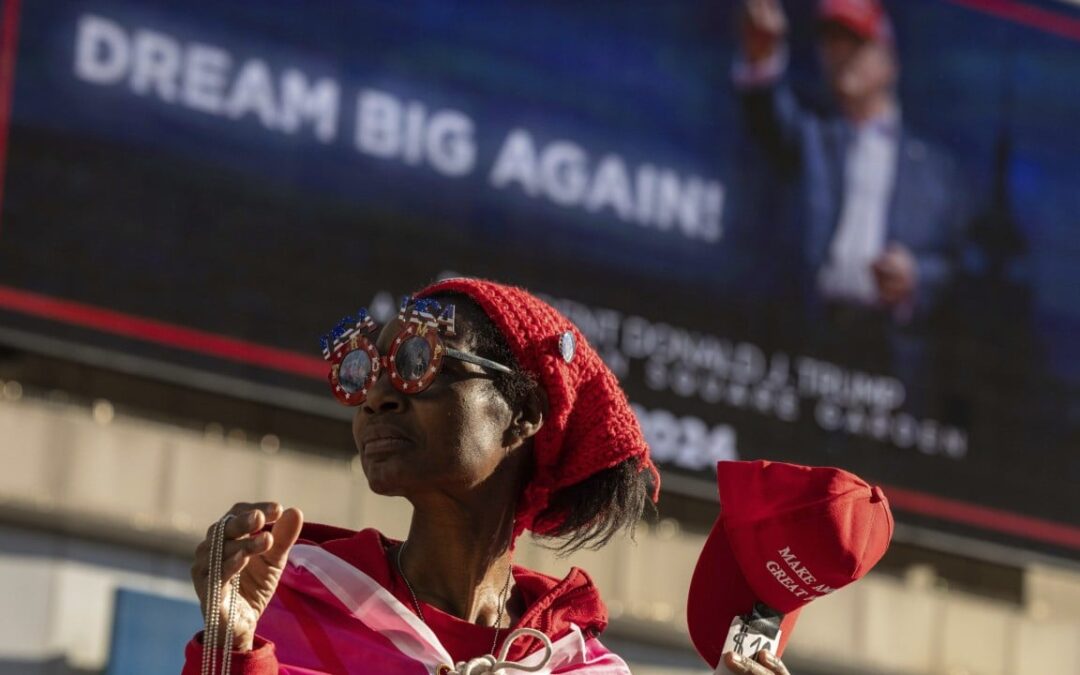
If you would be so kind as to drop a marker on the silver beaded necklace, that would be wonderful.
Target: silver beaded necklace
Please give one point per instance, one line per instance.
(214, 594)
(420, 612)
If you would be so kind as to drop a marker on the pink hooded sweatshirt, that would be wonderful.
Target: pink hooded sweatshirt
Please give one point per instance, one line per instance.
(341, 608)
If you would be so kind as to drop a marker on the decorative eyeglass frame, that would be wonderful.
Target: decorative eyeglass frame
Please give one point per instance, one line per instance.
(425, 319)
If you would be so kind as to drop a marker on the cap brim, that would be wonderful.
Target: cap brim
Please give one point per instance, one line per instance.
(718, 593)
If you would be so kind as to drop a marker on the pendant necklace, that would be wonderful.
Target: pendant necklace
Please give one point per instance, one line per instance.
(420, 611)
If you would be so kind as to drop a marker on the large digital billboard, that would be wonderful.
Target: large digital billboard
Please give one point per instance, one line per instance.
(210, 186)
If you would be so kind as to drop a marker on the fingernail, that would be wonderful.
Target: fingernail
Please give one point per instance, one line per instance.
(771, 658)
(738, 659)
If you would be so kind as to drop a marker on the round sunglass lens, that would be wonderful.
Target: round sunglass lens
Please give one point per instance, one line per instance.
(354, 371)
(412, 359)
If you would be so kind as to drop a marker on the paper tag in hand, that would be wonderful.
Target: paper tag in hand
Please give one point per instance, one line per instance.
(743, 638)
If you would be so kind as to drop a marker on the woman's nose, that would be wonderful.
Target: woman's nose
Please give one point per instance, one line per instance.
(384, 397)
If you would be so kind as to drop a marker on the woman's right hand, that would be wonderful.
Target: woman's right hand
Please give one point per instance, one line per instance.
(258, 557)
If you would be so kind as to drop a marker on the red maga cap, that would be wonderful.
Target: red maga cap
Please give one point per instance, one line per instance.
(865, 18)
(786, 534)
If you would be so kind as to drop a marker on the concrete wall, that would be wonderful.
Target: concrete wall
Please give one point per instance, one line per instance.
(142, 485)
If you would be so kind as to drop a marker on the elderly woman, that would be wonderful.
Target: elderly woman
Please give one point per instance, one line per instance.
(494, 417)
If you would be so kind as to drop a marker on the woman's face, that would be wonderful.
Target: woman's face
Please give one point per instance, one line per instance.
(448, 438)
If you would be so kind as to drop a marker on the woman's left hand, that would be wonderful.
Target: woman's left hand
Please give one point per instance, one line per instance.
(765, 663)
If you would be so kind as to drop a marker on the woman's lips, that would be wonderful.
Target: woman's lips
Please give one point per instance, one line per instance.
(379, 447)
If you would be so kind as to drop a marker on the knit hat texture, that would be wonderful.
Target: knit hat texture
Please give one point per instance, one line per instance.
(589, 425)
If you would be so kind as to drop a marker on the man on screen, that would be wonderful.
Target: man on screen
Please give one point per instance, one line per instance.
(875, 225)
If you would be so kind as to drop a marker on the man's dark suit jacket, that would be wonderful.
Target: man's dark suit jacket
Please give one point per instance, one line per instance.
(804, 152)
(807, 147)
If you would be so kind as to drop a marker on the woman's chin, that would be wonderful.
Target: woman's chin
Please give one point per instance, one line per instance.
(386, 488)
(384, 480)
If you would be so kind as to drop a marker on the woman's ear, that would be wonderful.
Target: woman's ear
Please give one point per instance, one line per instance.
(528, 419)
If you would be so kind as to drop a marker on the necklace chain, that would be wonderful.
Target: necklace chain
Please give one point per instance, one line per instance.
(503, 596)
(214, 591)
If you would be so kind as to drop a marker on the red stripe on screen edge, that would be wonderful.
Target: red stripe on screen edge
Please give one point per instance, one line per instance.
(232, 349)
(1046, 20)
(161, 333)
(984, 517)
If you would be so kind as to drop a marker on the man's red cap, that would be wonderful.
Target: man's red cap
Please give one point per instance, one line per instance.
(786, 534)
(865, 18)
(589, 425)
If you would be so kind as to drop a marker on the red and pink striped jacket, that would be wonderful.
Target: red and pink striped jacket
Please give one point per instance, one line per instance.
(341, 608)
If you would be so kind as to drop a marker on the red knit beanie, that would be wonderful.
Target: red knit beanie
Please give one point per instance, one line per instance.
(589, 424)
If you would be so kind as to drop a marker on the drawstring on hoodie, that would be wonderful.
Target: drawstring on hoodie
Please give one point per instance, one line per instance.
(489, 665)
